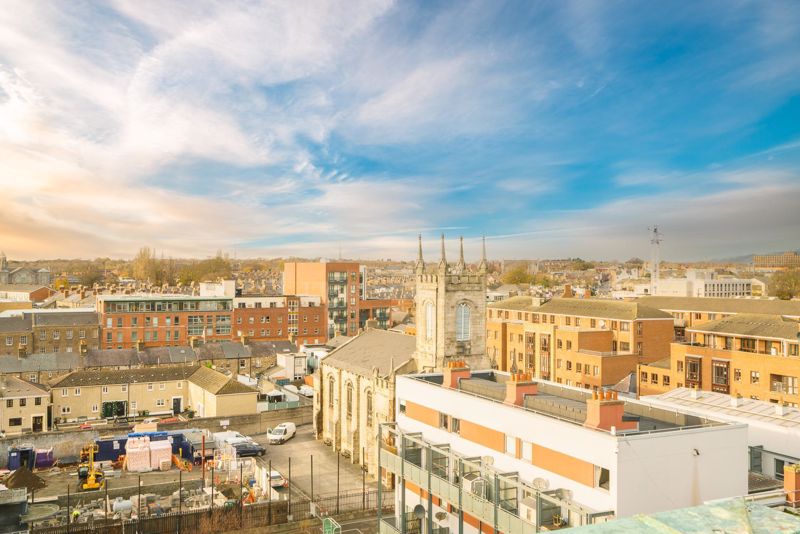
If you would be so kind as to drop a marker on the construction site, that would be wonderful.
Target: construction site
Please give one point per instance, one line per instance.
(178, 480)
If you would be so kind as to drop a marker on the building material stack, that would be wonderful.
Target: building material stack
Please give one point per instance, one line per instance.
(137, 454)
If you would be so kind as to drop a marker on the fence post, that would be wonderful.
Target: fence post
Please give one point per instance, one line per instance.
(269, 493)
(363, 482)
(338, 456)
(241, 494)
(180, 498)
(289, 504)
(312, 478)
(69, 514)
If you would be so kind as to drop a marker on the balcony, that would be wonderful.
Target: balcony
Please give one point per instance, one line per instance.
(474, 487)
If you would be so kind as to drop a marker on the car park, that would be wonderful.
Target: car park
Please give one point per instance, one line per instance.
(249, 449)
(281, 433)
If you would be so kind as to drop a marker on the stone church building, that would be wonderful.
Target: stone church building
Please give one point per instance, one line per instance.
(22, 275)
(354, 386)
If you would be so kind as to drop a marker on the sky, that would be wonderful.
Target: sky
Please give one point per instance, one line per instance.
(264, 129)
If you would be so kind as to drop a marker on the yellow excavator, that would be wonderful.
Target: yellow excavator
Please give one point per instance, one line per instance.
(89, 477)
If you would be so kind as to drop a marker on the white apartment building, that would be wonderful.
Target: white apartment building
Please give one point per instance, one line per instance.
(773, 431)
(701, 283)
(489, 450)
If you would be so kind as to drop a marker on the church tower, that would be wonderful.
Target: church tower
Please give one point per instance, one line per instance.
(4, 275)
(450, 312)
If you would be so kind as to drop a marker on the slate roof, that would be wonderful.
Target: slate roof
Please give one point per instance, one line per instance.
(11, 386)
(124, 376)
(610, 309)
(373, 348)
(769, 326)
(20, 288)
(15, 323)
(790, 308)
(111, 358)
(65, 318)
(217, 383)
(59, 361)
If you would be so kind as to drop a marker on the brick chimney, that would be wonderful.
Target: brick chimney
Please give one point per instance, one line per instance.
(568, 293)
(243, 339)
(453, 372)
(519, 385)
(604, 411)
(791, 484)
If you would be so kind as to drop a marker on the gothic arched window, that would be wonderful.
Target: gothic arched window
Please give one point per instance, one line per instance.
(331, 388)
(429, 321)
(349, 400)
(369, 408)
(462, 322)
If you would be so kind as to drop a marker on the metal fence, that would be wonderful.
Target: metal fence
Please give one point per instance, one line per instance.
(208, 521)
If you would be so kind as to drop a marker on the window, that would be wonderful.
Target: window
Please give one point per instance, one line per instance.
(369, 408)
(603, 477)
(639, 327)
(511, 445)
(624, 327)
(179, 385)
(596, 370)
(124, 388)
(331, 387)
(462, 322)
(569, 365)
(527, 451)
(665, 380)
(559, 344)
(160, 402)
(94, 408)
(23, 340)
(65, 410)
(77, 392)
(455, 425)
(578, 367)
(349, 400)
(654, 378)
(639, 348)
(737, 375)
(779, 465)
(10, 403)
(443, 420)
(569, 345)
(162, 386)
(568, 320)
(644, 377)
(624, 346)
(9, 341)
(65, 392)
(15, 421)
(679, 366)
(577, 321)
(755, 377)
(37, 401)
(56, 334)
(149, 387)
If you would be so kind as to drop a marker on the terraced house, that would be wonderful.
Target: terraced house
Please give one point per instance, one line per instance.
(587, 343)
(748, 355)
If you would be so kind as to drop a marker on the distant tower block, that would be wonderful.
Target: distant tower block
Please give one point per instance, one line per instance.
(655, 251)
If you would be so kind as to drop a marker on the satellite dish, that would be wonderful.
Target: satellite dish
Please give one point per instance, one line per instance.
(440, 516)
(419, 511)
(541, 484)
(487, 460)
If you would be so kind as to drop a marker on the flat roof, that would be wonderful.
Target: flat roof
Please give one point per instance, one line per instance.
(789, 308)
(750, 324)
(569, 403)
(720, 405)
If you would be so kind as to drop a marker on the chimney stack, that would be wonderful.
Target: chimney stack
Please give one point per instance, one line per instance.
(567, 292)
(243, 339)
(519, 385)
(453, 372)
(791, 484)
(605, 411)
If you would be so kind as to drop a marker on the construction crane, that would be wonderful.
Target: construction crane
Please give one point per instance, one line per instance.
(655, 260)
(90, 478)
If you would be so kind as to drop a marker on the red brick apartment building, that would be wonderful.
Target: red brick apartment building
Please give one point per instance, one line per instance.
(302, 319)
(139, 321)
(340, 286)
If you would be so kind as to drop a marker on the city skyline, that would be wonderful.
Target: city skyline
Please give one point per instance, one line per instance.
(557, 130)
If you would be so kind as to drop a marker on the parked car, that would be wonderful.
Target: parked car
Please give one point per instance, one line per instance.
(248, 449)
(276, 480)
(281, 433)
(306, 391)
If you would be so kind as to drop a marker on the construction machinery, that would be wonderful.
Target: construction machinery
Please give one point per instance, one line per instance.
(90, 478)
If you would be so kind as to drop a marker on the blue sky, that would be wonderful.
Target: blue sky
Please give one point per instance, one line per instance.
(299, 128)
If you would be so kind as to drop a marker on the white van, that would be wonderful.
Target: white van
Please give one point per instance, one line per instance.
(281, 433)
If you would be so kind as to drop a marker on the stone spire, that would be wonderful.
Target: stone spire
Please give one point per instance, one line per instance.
(443, 260)
(461, 267)
(420, 267)
(483, 266)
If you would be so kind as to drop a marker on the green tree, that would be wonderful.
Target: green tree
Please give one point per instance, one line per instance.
(517, 275)
(786, 284)
(90, 275)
